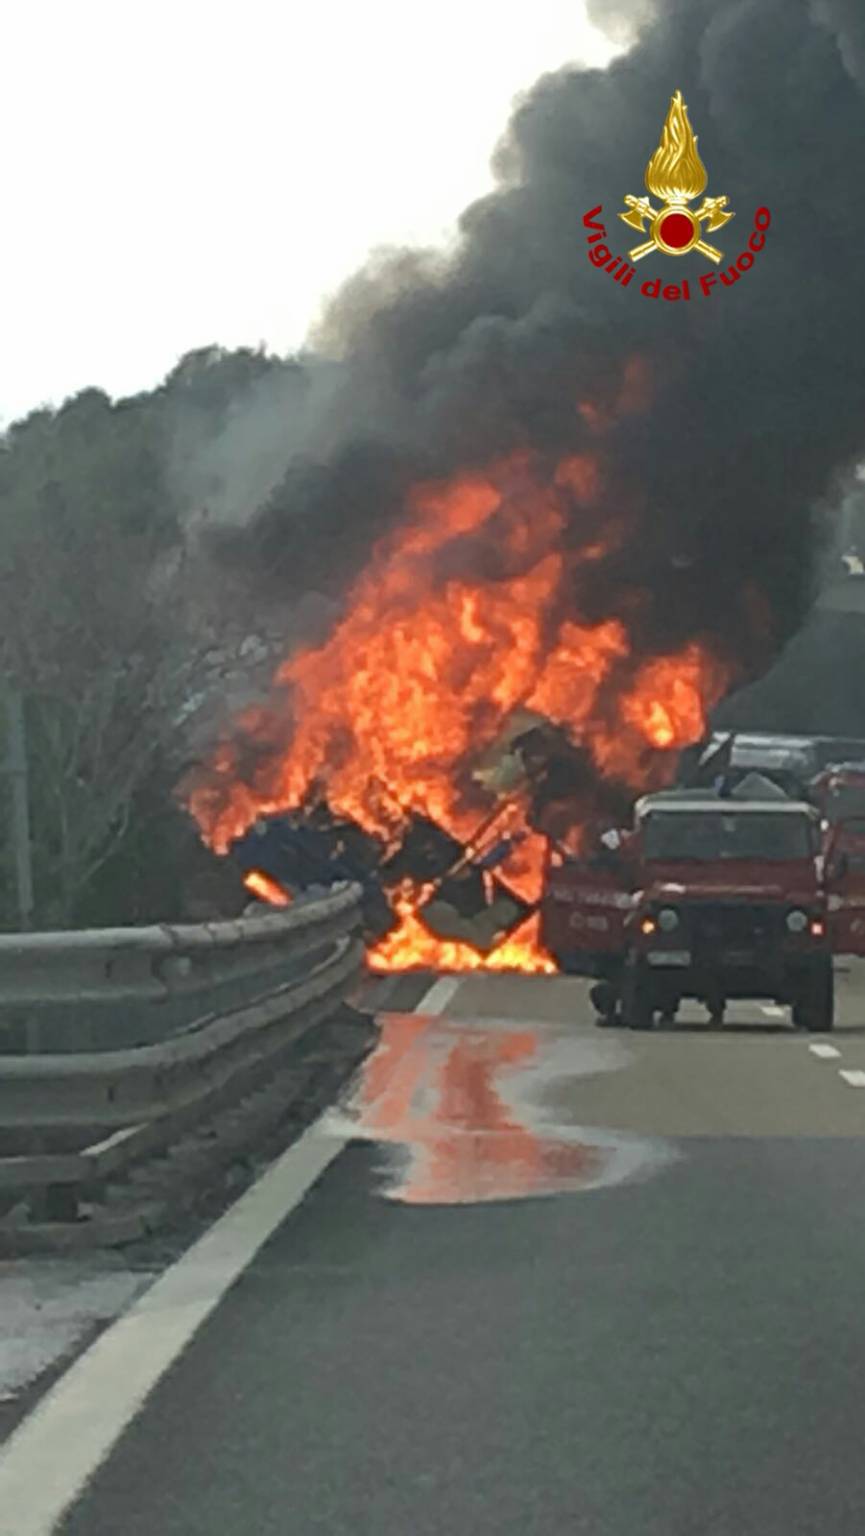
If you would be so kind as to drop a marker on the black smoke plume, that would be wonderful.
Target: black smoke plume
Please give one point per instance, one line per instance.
(757, 392)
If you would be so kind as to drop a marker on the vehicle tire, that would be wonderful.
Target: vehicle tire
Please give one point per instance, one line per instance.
(605, 1001)
(611, 1020)
(638, 1004)
(816, 1004)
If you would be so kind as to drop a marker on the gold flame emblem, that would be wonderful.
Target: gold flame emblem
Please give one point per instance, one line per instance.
(676, 175)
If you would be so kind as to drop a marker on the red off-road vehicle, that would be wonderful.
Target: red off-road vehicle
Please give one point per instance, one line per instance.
(707, 898)
(839, 794)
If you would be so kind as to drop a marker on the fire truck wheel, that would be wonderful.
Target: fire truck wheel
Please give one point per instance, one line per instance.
(611, 1020)
(605, 1001)
(815, 1008)
(638, 1004)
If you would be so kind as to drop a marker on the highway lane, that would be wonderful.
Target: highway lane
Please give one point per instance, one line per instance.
(559, 1279)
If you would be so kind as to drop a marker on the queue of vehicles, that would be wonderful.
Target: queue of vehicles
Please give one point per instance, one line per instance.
(746, 881)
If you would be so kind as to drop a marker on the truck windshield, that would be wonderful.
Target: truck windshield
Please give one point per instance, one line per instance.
(698, 835)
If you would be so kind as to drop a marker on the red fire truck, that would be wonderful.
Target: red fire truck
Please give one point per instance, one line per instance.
(839, 794)
(707, 898)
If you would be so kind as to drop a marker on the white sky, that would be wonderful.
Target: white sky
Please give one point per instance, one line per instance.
(186, 173)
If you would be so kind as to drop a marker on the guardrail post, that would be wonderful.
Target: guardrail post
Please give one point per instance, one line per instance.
(17, 769)
(53, 1202)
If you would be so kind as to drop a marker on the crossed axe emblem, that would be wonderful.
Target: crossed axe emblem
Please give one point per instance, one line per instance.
(711, 213)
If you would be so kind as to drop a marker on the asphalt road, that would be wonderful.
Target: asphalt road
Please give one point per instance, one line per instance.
(560, 1280)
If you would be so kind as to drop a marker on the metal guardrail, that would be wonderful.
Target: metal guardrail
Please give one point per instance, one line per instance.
(100, 990)
(73, 1118)
(158, 962)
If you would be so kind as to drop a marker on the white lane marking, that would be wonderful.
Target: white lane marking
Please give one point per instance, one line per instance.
(825, 1052)
(855, 1079)
(772, 1011)
(56, 1450)
(439, 995)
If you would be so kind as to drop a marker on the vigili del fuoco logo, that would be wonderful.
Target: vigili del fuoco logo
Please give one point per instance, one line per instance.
(675, 175)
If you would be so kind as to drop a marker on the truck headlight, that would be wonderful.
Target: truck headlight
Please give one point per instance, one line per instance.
(797, 921)
(668, 919)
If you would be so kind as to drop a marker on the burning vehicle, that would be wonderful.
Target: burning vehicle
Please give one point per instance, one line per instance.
(537, 506)
(291, 857)
(449, 726)
(462, 891)
(705, 897)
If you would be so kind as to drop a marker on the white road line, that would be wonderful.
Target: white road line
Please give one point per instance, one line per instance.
(57, 1449)
(825, 1052)
(772, 1011)
(855, 1079)
(439, 995)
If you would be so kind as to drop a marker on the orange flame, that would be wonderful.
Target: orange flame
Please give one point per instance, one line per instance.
(411, 947)
(665, 707)
(266, 889)
(393, 714)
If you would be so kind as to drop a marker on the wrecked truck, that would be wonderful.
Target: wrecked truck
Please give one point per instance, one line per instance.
(533, 779)
(703, 897)
(302, 854)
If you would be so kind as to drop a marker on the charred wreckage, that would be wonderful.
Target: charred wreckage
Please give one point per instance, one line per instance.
(463, 889)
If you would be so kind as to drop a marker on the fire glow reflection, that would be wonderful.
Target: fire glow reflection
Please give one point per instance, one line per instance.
(462, 1103)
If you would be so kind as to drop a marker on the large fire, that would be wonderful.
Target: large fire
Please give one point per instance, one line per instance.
(393, 714)
(412, 947)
